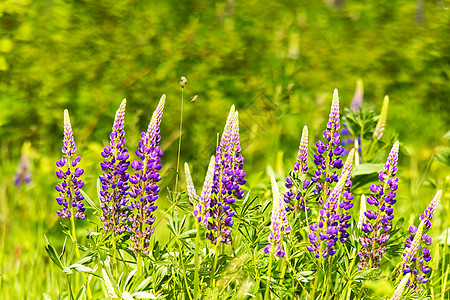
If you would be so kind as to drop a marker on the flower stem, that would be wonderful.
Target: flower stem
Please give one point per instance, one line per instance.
(283, 265)
(316, 279)
(77, 251)
(213, 270)
(179, 139)
(70, 287)
(269, 273)
(184, 270)
(114, 262)
(196, 264)
(139, 264)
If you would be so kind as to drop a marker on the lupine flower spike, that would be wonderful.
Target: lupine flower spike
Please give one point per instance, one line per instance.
(358, 97)
(347, 138)
(144, 183)
(114, 180)
(379, 129)
(201, 211)
(328, 154)
(362, 210)
(279, 226)
(295, 194)
(190, 184)
(228, 179)
(324, 233)
(378, 221)
(23, 174)
(346, 202)
(417, 255)
(70, 197)
(400, 288)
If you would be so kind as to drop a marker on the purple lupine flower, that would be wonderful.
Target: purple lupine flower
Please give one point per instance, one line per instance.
(114, 179)
(23, 174)
(69, 189)
(358, 96)
(228, 179)
(427, 215)
(378, 221)
(347, 199)
(328, 154)
(201, 211)
(325, 233)
(347, 137)
(416, 254)
(279, 225)
(144, 183)
(295, 192)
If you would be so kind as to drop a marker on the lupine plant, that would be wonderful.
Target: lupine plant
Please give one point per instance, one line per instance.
(417, 255)
(378, 221)
(305, 240)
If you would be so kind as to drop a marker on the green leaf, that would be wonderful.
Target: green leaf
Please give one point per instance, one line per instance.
(67, 270)
(144, 295)
(89, 201)
(71, 252)
(80, 268)
(63, 248)
(447, 135)
(2, 270)
(129, 277)
(443, 155)
(85, 259)
(365, 169)
(80, 293)
(127, 296)
(52, 254)
(109, 285)
(143, 284)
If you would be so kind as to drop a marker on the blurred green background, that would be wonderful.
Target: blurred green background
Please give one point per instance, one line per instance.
(277, 61)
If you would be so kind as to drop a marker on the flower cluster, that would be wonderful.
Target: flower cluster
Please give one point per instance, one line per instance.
(227, 181)
(328, 154)
(279, 225)
(332, 225)
(23, 174)
(377, 225)
(69, 189)
(144, 183)
(416, 254)
(295, 192)
(379, 129)
(114, 180)
(347, 137)
(190, 184)
(201, 212)
(347, 198)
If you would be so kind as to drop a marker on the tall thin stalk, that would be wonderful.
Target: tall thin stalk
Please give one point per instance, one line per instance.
(269, 272)
(196, 264)
(179, 138)
(77, 251)
(139, 264)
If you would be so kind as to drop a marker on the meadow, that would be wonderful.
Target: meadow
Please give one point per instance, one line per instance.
(239, 180)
